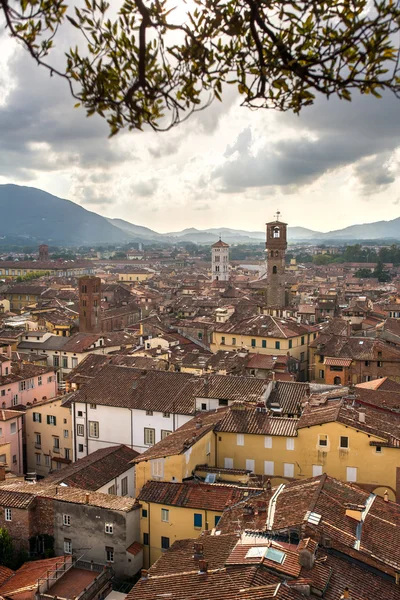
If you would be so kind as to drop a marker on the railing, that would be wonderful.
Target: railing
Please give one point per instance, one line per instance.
(89, 565)
(92, 590)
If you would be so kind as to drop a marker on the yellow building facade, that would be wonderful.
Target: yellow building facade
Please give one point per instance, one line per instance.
(49, 436)
(131, 276)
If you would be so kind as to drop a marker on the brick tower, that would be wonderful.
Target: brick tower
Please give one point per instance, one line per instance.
(43, 253)
(220, 261)
(276, 245)
(89, 304)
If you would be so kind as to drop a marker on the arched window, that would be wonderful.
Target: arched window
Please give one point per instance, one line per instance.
(276, 232)
(276, 253)
(272, 253)
(274, 270)
(337, 381)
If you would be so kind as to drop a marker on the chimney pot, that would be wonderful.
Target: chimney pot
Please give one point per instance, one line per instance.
(87, 498)
(144, 575)
(361, 417)
(198, 550)
(203, 566)
(386, 496)
(346, 594)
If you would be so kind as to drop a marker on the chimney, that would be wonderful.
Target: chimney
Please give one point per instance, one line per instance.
(361, 416)
(346, 594)
(198, 424)
(87, 498)
(198, 550)
(386, 496)
(144, 575)
(2, 472)
(306, 558)
(203, 566)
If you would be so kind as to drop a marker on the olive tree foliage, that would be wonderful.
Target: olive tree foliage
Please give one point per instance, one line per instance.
(145, 62)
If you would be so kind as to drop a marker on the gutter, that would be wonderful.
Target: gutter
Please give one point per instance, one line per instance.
(272, 507)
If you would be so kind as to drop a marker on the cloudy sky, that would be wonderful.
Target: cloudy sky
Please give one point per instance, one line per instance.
(335, 165)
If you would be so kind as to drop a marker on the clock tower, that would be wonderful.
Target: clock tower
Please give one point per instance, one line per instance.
(276, 245)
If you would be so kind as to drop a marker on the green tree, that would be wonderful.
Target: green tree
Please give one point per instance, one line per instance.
(154, 65)
(6, 549)
(322, 259)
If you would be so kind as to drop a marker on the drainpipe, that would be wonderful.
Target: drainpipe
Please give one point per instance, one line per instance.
(86, 429)
(74, 429)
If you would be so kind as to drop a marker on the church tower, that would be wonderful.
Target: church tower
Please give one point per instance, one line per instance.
(276, 245)
(89, 304)
(220, 261)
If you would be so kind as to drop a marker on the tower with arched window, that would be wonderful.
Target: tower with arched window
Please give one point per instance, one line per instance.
(220, 261)
(275, 248)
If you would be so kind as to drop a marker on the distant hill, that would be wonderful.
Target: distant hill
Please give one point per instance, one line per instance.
(31, 215)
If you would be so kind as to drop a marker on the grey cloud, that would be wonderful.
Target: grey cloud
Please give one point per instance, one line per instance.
(145, 188)
(375, 173)
(343, 134)
(41, 131)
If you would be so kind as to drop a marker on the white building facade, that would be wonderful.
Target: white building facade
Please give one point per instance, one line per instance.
(220, 261)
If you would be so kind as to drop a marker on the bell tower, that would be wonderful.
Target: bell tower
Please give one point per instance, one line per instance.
(276, 245)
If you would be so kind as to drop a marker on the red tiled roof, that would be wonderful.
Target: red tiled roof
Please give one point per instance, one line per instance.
(337, 362)
(242, 418)
(135, 548)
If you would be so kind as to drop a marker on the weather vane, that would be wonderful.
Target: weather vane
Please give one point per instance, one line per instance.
(278, 214)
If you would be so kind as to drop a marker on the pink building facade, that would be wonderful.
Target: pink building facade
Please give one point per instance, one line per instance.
(23, 383)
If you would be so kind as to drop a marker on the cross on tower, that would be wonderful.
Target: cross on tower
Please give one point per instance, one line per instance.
(278, 214)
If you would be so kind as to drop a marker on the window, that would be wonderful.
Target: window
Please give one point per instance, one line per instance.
(165, 433)
(228, 463)
(51, 420)
(149, 413)
(66, 433)
(290, 343)
(216, 520)
(38, 459)
(277, 345)
(65, 362)
(198, 520)
(124, 486)
(13, 428)
(67, 453)
(204, 406)
(240, 439)
(344, 441)
(366, 363)
(39, 380)
(47, 460)
(1, 433)
(321, 373)
(165, 515)
(80, 447)
(15, 400)
(268, 467)
(109, 528)
(351, 474)
(302, 356)
(378, 449)
(22, 386)
(380, 363)
(93, 406)
(274, 270)
(316, 470)
(302, 340)
(109, 554)
(166, 415)
(253, 343)
(80, 430)
(288, 470)
(157, 468)
(111, 490)
(263, 343)
(233, 341)
(8, 514)
(223, 339)
(289, 443)
(144, 513)
(3, 392)
(74, 362)
(267, 441)
(94, 429)
(67, 520)
(56, 444)
(164, 543)
(250, 464)
(67, 546)
(149, 436)
(145, 539)
(80, 413)
(323, 440)
(56, 361)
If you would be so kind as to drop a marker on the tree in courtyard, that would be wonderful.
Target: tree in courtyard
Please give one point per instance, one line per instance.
(155, 64)
(6, 548)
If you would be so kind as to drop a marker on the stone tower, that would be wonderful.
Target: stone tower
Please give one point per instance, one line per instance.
(43, 253)
(220, 261)
(89, 304)
(276, 245)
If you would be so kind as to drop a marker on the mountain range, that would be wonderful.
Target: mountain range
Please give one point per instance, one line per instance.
(30, 215)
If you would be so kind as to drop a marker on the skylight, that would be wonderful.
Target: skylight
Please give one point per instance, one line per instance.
(256, 552)
(275, 555)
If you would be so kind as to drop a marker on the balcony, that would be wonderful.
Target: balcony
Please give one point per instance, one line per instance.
(56, 450)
